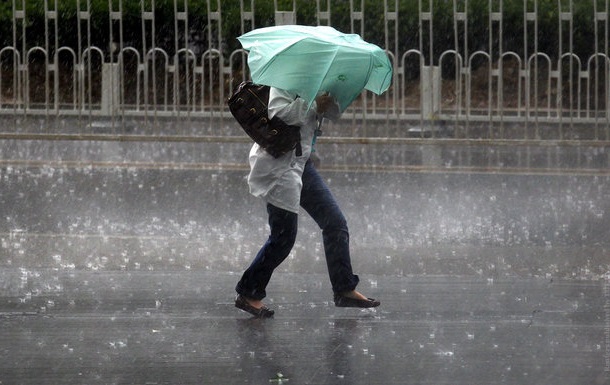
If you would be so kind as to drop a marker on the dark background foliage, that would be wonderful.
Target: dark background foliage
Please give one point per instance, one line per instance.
(168, 37)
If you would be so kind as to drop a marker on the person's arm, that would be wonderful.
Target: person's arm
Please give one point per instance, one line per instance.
(294, 110)
(287, 106)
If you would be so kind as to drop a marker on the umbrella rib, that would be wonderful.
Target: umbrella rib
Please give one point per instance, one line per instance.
(330, 62)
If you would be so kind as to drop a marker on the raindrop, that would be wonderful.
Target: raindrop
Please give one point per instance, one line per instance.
(445, 353)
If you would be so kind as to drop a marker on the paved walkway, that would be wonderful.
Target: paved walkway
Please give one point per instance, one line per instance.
(65, 326)
(118, 266)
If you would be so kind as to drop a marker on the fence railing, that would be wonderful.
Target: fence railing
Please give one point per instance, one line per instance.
(475, 88)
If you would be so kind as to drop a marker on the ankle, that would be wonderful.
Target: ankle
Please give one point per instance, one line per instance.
(353, 294)
(256, 303)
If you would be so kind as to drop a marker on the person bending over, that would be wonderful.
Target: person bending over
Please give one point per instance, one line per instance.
(286, 184)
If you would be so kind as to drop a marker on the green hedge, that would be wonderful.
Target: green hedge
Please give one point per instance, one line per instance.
(478, 22)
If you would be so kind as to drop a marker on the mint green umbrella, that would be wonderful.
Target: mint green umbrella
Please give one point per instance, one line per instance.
(312, 60)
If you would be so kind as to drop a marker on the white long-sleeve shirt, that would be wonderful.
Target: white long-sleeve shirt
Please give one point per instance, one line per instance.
(278, 180)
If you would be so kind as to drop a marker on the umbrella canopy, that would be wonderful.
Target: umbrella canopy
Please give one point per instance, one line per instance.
(312, 60)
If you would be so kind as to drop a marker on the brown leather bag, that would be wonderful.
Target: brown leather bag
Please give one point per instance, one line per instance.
(248, 104)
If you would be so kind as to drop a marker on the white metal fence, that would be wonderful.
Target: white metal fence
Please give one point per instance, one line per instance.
(473, 89)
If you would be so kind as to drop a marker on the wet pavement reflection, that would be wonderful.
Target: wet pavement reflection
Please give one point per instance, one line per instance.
(180, 327)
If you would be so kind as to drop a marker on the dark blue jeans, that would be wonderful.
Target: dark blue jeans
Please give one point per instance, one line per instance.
(319, 203)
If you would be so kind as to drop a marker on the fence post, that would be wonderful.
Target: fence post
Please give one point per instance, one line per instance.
(110, 88)
(431, 91)
(285, 17)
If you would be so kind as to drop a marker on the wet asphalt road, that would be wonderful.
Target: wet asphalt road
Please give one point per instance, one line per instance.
(116, 272)
(84, 327)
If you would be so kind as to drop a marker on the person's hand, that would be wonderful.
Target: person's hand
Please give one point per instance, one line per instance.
(324, 103)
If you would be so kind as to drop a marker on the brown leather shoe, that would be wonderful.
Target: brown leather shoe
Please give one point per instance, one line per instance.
(242, 303)
(343, 301)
